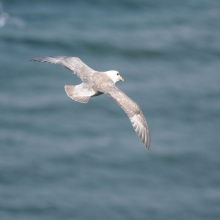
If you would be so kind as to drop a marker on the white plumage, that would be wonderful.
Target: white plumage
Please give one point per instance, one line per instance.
(96, 83)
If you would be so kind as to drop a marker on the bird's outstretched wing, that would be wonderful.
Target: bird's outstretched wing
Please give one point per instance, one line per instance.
(74, 64)
(134, 113)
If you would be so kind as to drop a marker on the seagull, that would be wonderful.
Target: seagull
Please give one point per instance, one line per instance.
(5, 18)
(96, 83)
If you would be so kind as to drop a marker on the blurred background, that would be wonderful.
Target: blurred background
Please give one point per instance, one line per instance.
(60, 159)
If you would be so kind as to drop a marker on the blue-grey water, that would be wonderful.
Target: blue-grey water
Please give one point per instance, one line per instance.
(60, 159)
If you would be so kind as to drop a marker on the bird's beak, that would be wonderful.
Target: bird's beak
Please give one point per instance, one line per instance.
(122, 79)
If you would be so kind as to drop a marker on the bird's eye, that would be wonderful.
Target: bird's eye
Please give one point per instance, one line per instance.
(118, 74)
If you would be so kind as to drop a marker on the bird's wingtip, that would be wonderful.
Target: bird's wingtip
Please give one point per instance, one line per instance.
(148, 148)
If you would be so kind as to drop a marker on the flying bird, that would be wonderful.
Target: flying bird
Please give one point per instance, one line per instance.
(5, 18)
(96, 83)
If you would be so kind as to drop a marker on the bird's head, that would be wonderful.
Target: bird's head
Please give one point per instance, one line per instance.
(114, 75)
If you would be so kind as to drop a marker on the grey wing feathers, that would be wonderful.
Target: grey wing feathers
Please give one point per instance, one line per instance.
(134, 113)
(140, 126)
(74, 64)
(54, 60)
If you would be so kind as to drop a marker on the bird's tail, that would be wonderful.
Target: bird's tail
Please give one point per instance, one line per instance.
(70, 92)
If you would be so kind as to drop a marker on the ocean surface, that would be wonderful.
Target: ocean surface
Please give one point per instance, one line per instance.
(61, 159)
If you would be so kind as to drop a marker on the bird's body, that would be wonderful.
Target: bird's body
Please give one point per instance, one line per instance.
(96, 83)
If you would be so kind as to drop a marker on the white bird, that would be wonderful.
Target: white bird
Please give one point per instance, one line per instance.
(5, 18)
(96, 83)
